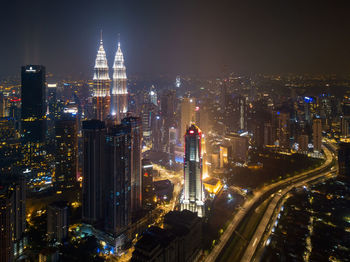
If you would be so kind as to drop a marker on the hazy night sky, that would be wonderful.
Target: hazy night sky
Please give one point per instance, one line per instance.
(177, 37)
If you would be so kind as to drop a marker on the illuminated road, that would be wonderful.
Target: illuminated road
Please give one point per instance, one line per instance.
(264, 223)
(177, 179)
(263, 193)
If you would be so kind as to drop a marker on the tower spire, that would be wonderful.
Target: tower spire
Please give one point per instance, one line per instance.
(101, 41)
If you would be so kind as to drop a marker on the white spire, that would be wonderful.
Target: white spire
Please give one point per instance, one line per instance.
(119, 70)
(101, 71)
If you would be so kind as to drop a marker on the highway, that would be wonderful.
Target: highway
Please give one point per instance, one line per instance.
(258, 198)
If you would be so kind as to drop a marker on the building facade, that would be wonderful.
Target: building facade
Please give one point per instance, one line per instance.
(193, 193)
(119, 92)
(33, 107)
(117, 187)
(94, 139)
(101, 88)
(66, 130)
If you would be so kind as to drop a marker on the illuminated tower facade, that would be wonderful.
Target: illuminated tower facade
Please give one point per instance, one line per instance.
(101, 80)
(119, 92)
(193, 193)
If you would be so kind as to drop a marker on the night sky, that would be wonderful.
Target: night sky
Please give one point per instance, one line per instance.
(177, 37)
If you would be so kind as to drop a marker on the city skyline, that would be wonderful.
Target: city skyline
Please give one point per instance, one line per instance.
(183, 139)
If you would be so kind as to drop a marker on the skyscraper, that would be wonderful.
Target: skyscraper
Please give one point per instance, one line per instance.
(93, 170)
(118, 179)
(317, 134)
(147, 184)
(188, 106)
(193, 193)
(119, 92)
(153, 96)
(12, 217)
(167, 118)
(101, 96)
(33, 103)
(57, 221)
(66, 151)
(344, 159)
(133, 125)
(282, 124)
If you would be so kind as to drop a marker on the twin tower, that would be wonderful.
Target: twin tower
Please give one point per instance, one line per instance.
(107, 100)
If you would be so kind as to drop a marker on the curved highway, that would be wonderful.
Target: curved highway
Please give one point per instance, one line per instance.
(258, 198)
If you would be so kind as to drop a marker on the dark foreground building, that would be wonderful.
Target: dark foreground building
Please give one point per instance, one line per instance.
(12, 218)
(33, 103)
(344, 159)
(180, 240)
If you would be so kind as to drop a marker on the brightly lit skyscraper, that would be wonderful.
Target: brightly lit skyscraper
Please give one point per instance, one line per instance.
(101, 79)
(119, 92)
(193, 193)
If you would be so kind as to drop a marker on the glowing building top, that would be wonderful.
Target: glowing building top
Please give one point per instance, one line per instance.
(119, 92)
(119, 73)
(101, 70)
(193, 197)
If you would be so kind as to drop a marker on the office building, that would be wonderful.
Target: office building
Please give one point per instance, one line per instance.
(148, 193)
(66, 155)
(180, 240)
(167, 117)
(12, 217)
(149, 117)
(118, 158)
(94, 138)
(344, 159)
(153, 98)
(133, 126)
(101, 85)
(282, 125)
(119, 92)
(33, 108)
(317, 134)
(57, 222)
(193, 193)
(345, 126)
(237, 147)
(303, 141)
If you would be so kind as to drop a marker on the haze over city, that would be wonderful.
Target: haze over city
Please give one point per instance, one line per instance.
(178, 36)
(174, 131)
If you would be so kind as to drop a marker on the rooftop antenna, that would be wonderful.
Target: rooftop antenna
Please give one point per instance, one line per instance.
(118, 39)
(101, 37)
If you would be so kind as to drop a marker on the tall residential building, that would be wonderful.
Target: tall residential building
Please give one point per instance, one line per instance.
(66, 155)
(344, 159)
(148, 193)
(101, 95)
(57, 221)
(133, 125)
(33, 108)
(188, 113)
(119, 92)
(193, 193)
(167, 118)
(118, 157)
(149, 117)
(282, 125)
(94, 138)
(317, 134)
(12, 217)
